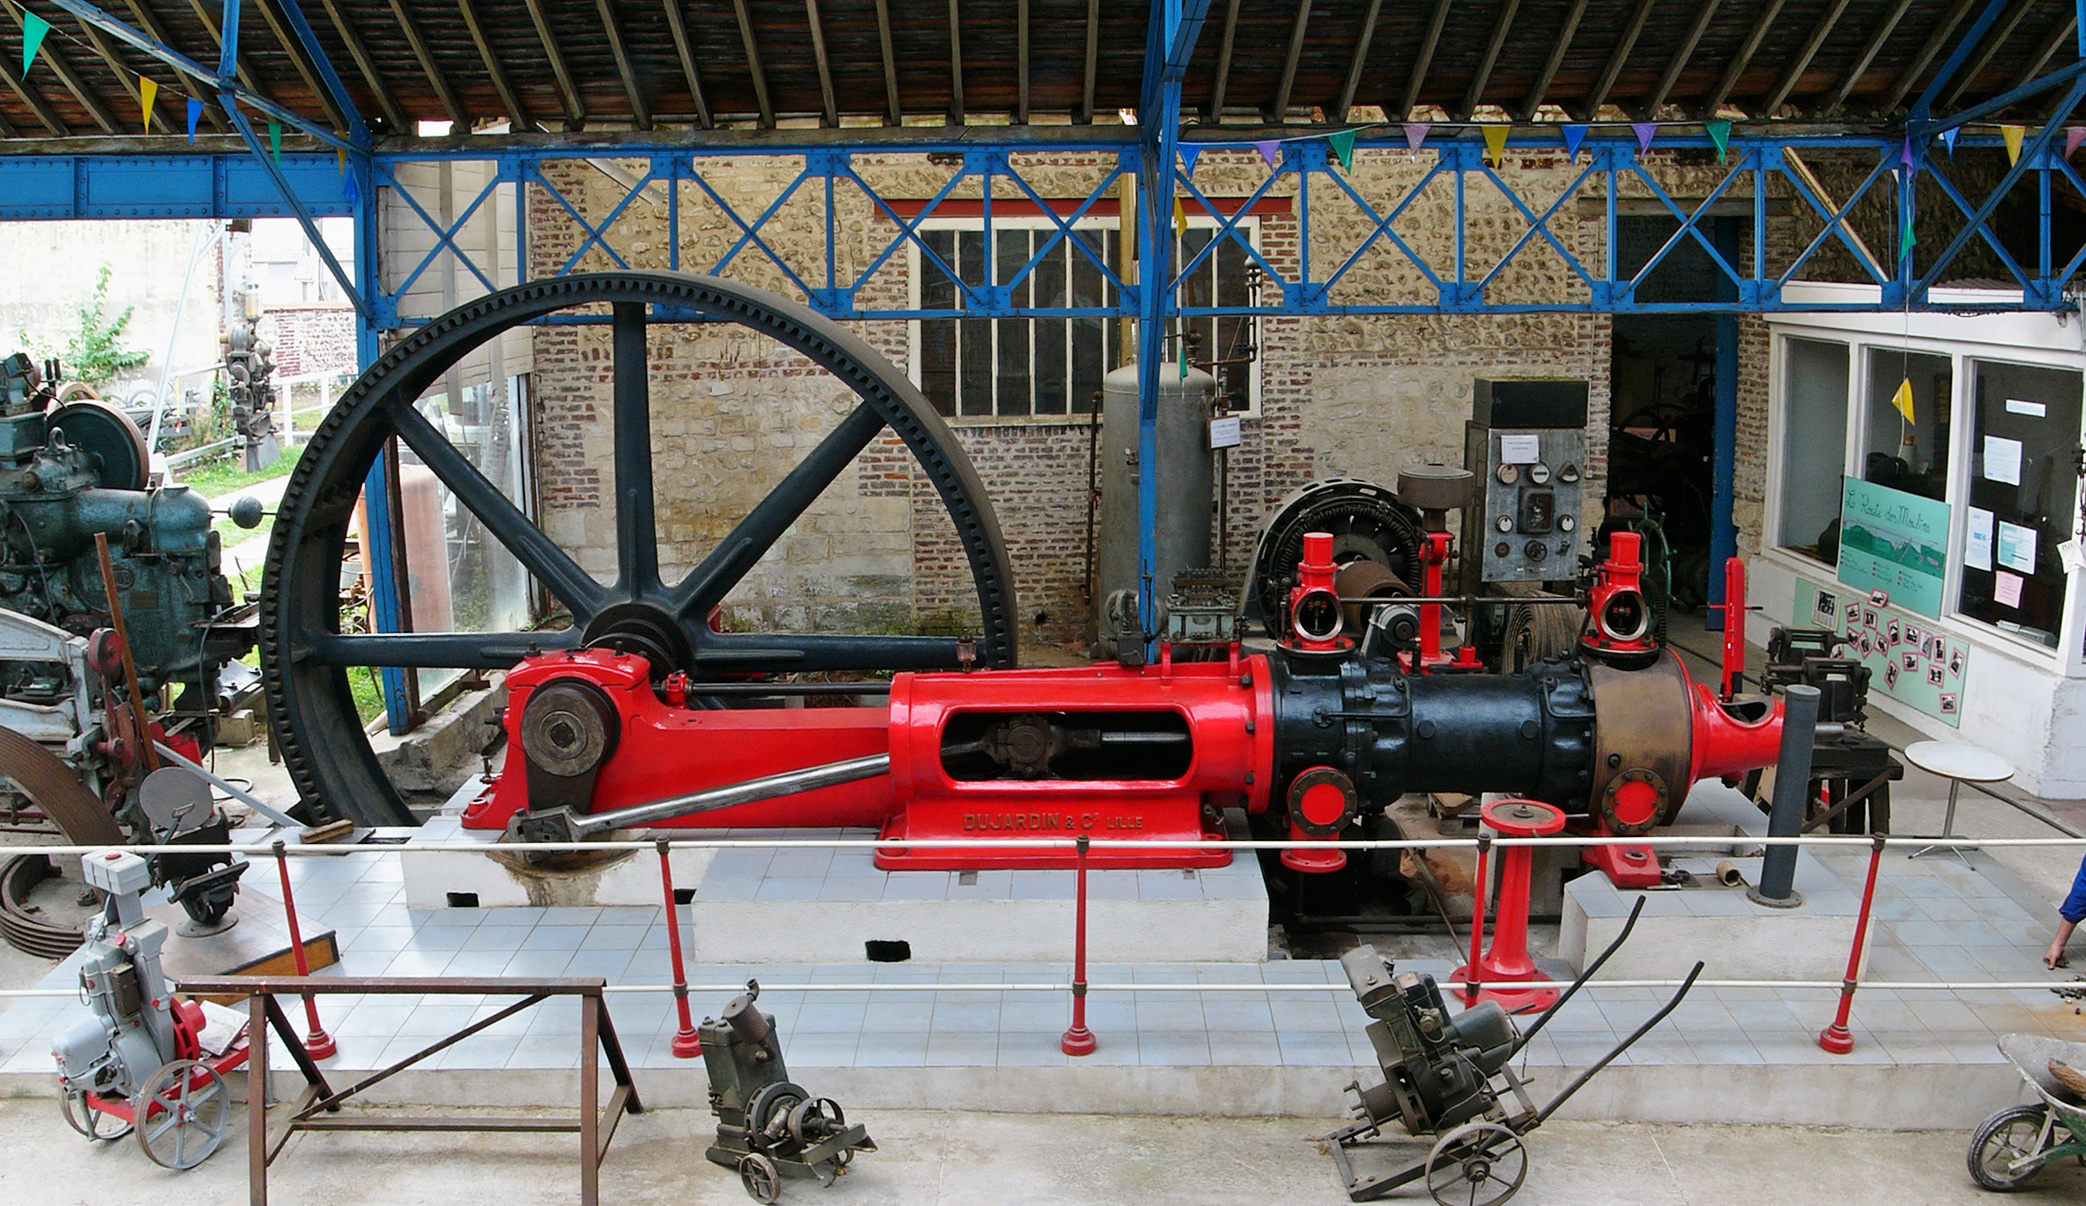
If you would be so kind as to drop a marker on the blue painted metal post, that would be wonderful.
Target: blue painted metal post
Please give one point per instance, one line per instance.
(385, 613)
(1159, 120)
(1723, 530)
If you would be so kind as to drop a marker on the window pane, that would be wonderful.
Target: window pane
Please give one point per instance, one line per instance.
(1089, 335)
(974, 336)
(1012, 381)
(1814, 441)
(2024, 490)
(1234, 335)
(1908, 454)
(938, 336)
(1049, 292)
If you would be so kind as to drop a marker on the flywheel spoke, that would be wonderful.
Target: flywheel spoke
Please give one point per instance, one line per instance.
(559, 573)
(637, 536)
(432, 650)
(751, 538)
(785, 652)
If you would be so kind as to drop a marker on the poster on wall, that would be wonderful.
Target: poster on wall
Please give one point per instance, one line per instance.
(1907, 659)
(1893, 542)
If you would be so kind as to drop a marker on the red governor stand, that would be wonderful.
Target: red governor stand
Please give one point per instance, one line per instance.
(1507, 959)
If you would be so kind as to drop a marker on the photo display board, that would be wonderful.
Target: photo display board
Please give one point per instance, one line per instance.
(1907, 659)
(1894, 542)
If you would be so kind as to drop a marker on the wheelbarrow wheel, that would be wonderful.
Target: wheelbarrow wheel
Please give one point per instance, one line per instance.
(763, 1181)
(1479, 1164)
(91, 1120)
(181, 1113)
(2004, 1148)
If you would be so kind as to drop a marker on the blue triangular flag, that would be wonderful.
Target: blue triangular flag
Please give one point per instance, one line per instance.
(1573, 136)
(195, 111)
(1189, 154)
(1948, 139)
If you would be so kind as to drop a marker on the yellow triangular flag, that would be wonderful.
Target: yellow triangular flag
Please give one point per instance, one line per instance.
(1496, 144)
(2012, 135)
(1903, 400)
(147, 93)
(1180, 218)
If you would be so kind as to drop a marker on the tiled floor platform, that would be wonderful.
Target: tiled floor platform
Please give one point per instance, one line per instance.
(1275, 1043)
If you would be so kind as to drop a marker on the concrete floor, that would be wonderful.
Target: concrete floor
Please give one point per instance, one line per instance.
(933, 1157)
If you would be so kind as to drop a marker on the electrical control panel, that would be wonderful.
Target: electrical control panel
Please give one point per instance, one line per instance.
(1526, 443)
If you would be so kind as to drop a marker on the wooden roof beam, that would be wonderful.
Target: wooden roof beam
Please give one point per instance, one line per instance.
(55, 59)
(1744, 57)
(575, 104)
(1425, 58)
(895, 114)
(370, 75)
(1968, 76)
(157, 32)
(1279, 111)
(428, 68)
(677, 24)
(753, 64)
(517, 116)
(830, 112)
(1869, 50)
(955, 67)
(1361, 56)
(1679, 62)
(1935, 41)
(1819, 33)
(288, 42)
(1231, 29)
(126, 78)
(1613, 71)
(1021, 51)
(1476, 93)
(640, 113)
(1555, 61)
(2060, 36)
(37, 105)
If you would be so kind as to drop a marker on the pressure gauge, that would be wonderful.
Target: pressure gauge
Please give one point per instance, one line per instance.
(1539, 473)
(1505, 523)
(1508, 474)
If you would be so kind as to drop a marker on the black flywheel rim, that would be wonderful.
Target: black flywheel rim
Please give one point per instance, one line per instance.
(305, 659)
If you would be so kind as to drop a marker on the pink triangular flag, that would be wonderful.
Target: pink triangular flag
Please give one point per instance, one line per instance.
(2073, 136)
(1415, 134)
(1645, 130)
(1270, 150)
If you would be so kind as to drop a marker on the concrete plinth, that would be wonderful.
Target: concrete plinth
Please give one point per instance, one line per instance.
(500, 878)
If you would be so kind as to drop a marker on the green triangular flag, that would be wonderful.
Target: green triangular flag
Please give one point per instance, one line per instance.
(1720, 134)
(1905, 244)
(33, 30)
(1343, 146)
(275, 140)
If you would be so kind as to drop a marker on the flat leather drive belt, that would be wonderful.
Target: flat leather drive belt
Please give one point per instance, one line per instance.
(53, 787)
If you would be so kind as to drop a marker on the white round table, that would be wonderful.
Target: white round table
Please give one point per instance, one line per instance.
(1959, 764)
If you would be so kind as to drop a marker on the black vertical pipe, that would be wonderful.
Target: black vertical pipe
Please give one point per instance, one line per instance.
(1792, 791)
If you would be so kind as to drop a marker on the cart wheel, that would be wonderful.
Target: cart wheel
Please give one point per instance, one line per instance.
(763, 1181)
(181, 1113)
(1481, 1164)
(2004, 1148)
(91, 1120)
(813, 1120)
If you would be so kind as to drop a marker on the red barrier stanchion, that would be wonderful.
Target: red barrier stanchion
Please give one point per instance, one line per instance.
(1836, 1038)
(1078, 1039)
(686, 1043)
(317, 1043)
(1508, 959)
(1479, 886)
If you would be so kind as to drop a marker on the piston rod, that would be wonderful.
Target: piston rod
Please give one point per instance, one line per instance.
(565, 825)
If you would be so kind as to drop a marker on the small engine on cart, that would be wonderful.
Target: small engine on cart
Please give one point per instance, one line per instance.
(141, 1061)
(769, 1128)
(1438, 1068)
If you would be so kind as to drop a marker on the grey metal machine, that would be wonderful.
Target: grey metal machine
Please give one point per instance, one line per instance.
(1526, 442)
(769, 1128)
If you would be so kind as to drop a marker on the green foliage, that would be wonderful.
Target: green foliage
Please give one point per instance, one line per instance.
(95, 353)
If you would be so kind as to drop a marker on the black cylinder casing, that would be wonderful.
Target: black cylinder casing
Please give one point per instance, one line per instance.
(1528, 734)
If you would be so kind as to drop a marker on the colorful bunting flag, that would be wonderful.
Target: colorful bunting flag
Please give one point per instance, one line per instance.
(1719, 133)
(1948, 139)
(33, 30)
(341, 157)
(1905, 155)
(1644, 131)
(1495, 142)
(1189, 154)
(275, 140)
(2013, 135)
(195, 111)
(1573, 136)
(1903, 399)
(2073, 136)
(148, 91)
(1415, 134)
(1270, 150)
(1180, 219)
(1906, 240)
(1343, 146)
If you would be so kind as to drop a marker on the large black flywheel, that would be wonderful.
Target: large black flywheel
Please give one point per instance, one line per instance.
(305, 657)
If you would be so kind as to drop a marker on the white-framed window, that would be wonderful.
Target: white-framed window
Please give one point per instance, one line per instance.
(1050, 367)
(1996, 432)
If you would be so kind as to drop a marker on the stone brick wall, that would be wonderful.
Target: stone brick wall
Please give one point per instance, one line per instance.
(315, 338)
(1339, 395)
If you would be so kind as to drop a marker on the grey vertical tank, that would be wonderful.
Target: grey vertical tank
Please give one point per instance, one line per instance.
(1184, 479)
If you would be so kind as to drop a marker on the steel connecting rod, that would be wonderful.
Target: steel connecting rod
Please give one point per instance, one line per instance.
(565, 825)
